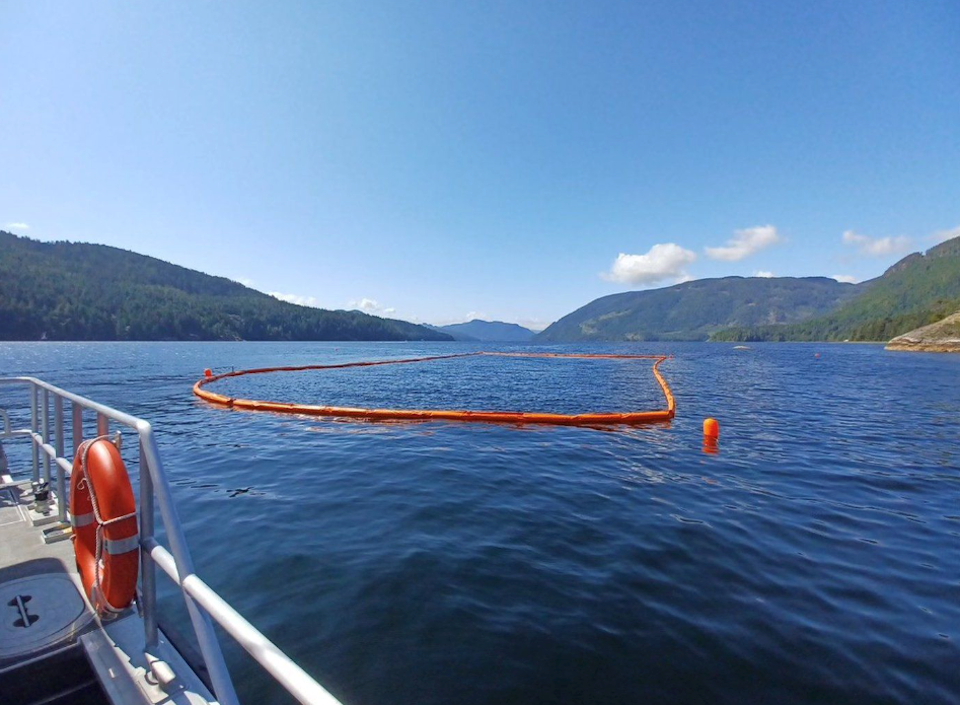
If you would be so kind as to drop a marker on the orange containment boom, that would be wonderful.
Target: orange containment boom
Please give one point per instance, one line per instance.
(629, 417)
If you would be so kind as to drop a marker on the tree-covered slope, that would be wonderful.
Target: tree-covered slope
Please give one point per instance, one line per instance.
(694, 310)
(920, 289)
(74, 291)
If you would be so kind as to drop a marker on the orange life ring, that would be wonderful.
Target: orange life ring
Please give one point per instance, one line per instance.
(103, 512)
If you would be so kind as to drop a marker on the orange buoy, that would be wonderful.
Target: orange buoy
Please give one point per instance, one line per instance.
(711, 428)
(208, 373)
(103, 512)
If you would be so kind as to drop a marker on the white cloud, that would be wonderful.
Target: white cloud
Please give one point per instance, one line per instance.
(845, 278)
(366, 305)
(18, 226)
(764, 274)
(244, 281)
(296, 299)
(876, 246)
(745, 242)
(663, 261)
(371, 306)
(944, 235)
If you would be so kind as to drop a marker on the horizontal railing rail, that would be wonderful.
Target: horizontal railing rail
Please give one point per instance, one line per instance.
(202, 602)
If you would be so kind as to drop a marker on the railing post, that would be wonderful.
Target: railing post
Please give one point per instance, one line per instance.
(103, 425)
(77, 433)
(45, 432)
(202, 626)
(34, 426)
(61, 478)
(148, 569)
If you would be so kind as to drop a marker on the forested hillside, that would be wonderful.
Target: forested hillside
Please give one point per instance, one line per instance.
(74, 291)
(696, 309)
(920, 289)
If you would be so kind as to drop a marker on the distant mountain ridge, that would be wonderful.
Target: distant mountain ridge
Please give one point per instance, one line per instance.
(920, 289)
(78, 291)
(488, 331)
(697, 309)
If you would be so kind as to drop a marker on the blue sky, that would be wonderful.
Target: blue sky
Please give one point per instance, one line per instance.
(438, 160)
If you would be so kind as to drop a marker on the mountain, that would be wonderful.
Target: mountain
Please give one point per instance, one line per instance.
(942, 336)
(694, 310)
(489, 332)
(75, 291)
(459, 337)
(918, 290)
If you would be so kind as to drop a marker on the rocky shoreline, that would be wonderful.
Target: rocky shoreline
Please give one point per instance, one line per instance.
(942, 336)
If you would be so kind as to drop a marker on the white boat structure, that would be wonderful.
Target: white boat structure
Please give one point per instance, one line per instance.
(55, 649)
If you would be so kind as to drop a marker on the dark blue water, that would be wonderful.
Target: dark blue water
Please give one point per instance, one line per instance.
(556, 385)
(814, 559)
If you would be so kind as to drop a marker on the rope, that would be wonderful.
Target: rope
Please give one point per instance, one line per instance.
(98, 598)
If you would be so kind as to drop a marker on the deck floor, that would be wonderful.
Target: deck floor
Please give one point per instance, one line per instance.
(47, 576)
(98, 662)
(22, 549)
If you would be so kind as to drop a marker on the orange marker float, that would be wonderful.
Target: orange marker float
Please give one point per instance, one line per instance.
(711, 428)
(598, 419)
(711, 434)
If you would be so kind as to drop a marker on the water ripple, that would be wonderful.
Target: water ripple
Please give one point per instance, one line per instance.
(815, 558)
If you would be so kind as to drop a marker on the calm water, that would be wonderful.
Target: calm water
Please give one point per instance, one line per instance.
(814, 559)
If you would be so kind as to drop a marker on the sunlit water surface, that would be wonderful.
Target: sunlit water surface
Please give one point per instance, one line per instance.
(814, 559)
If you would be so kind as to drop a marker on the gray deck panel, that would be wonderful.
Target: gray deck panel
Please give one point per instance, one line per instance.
(115, 650)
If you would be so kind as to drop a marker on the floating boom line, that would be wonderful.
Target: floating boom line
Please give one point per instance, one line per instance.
(515, 417)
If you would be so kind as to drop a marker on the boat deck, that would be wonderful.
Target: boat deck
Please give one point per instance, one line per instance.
(23, 552)
(53, 647)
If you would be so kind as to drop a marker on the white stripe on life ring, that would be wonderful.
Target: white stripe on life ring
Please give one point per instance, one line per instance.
(117, 546)
(78, 520)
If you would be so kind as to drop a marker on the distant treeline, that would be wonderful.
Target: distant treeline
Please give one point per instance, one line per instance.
(877, 329)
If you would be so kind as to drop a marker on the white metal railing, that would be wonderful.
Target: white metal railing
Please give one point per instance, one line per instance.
(201, 600)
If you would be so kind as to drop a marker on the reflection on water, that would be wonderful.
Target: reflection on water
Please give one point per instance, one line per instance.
(212, 487)
(813, 556)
